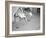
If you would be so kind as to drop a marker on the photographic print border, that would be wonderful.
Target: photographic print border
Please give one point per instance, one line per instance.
(7, 3)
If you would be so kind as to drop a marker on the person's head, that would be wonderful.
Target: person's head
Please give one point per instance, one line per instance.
(26, 10)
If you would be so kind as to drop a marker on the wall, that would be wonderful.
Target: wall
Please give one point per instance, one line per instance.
(2, 19)
(34, 10)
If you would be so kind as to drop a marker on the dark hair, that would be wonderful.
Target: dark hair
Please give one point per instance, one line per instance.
(27, 9)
